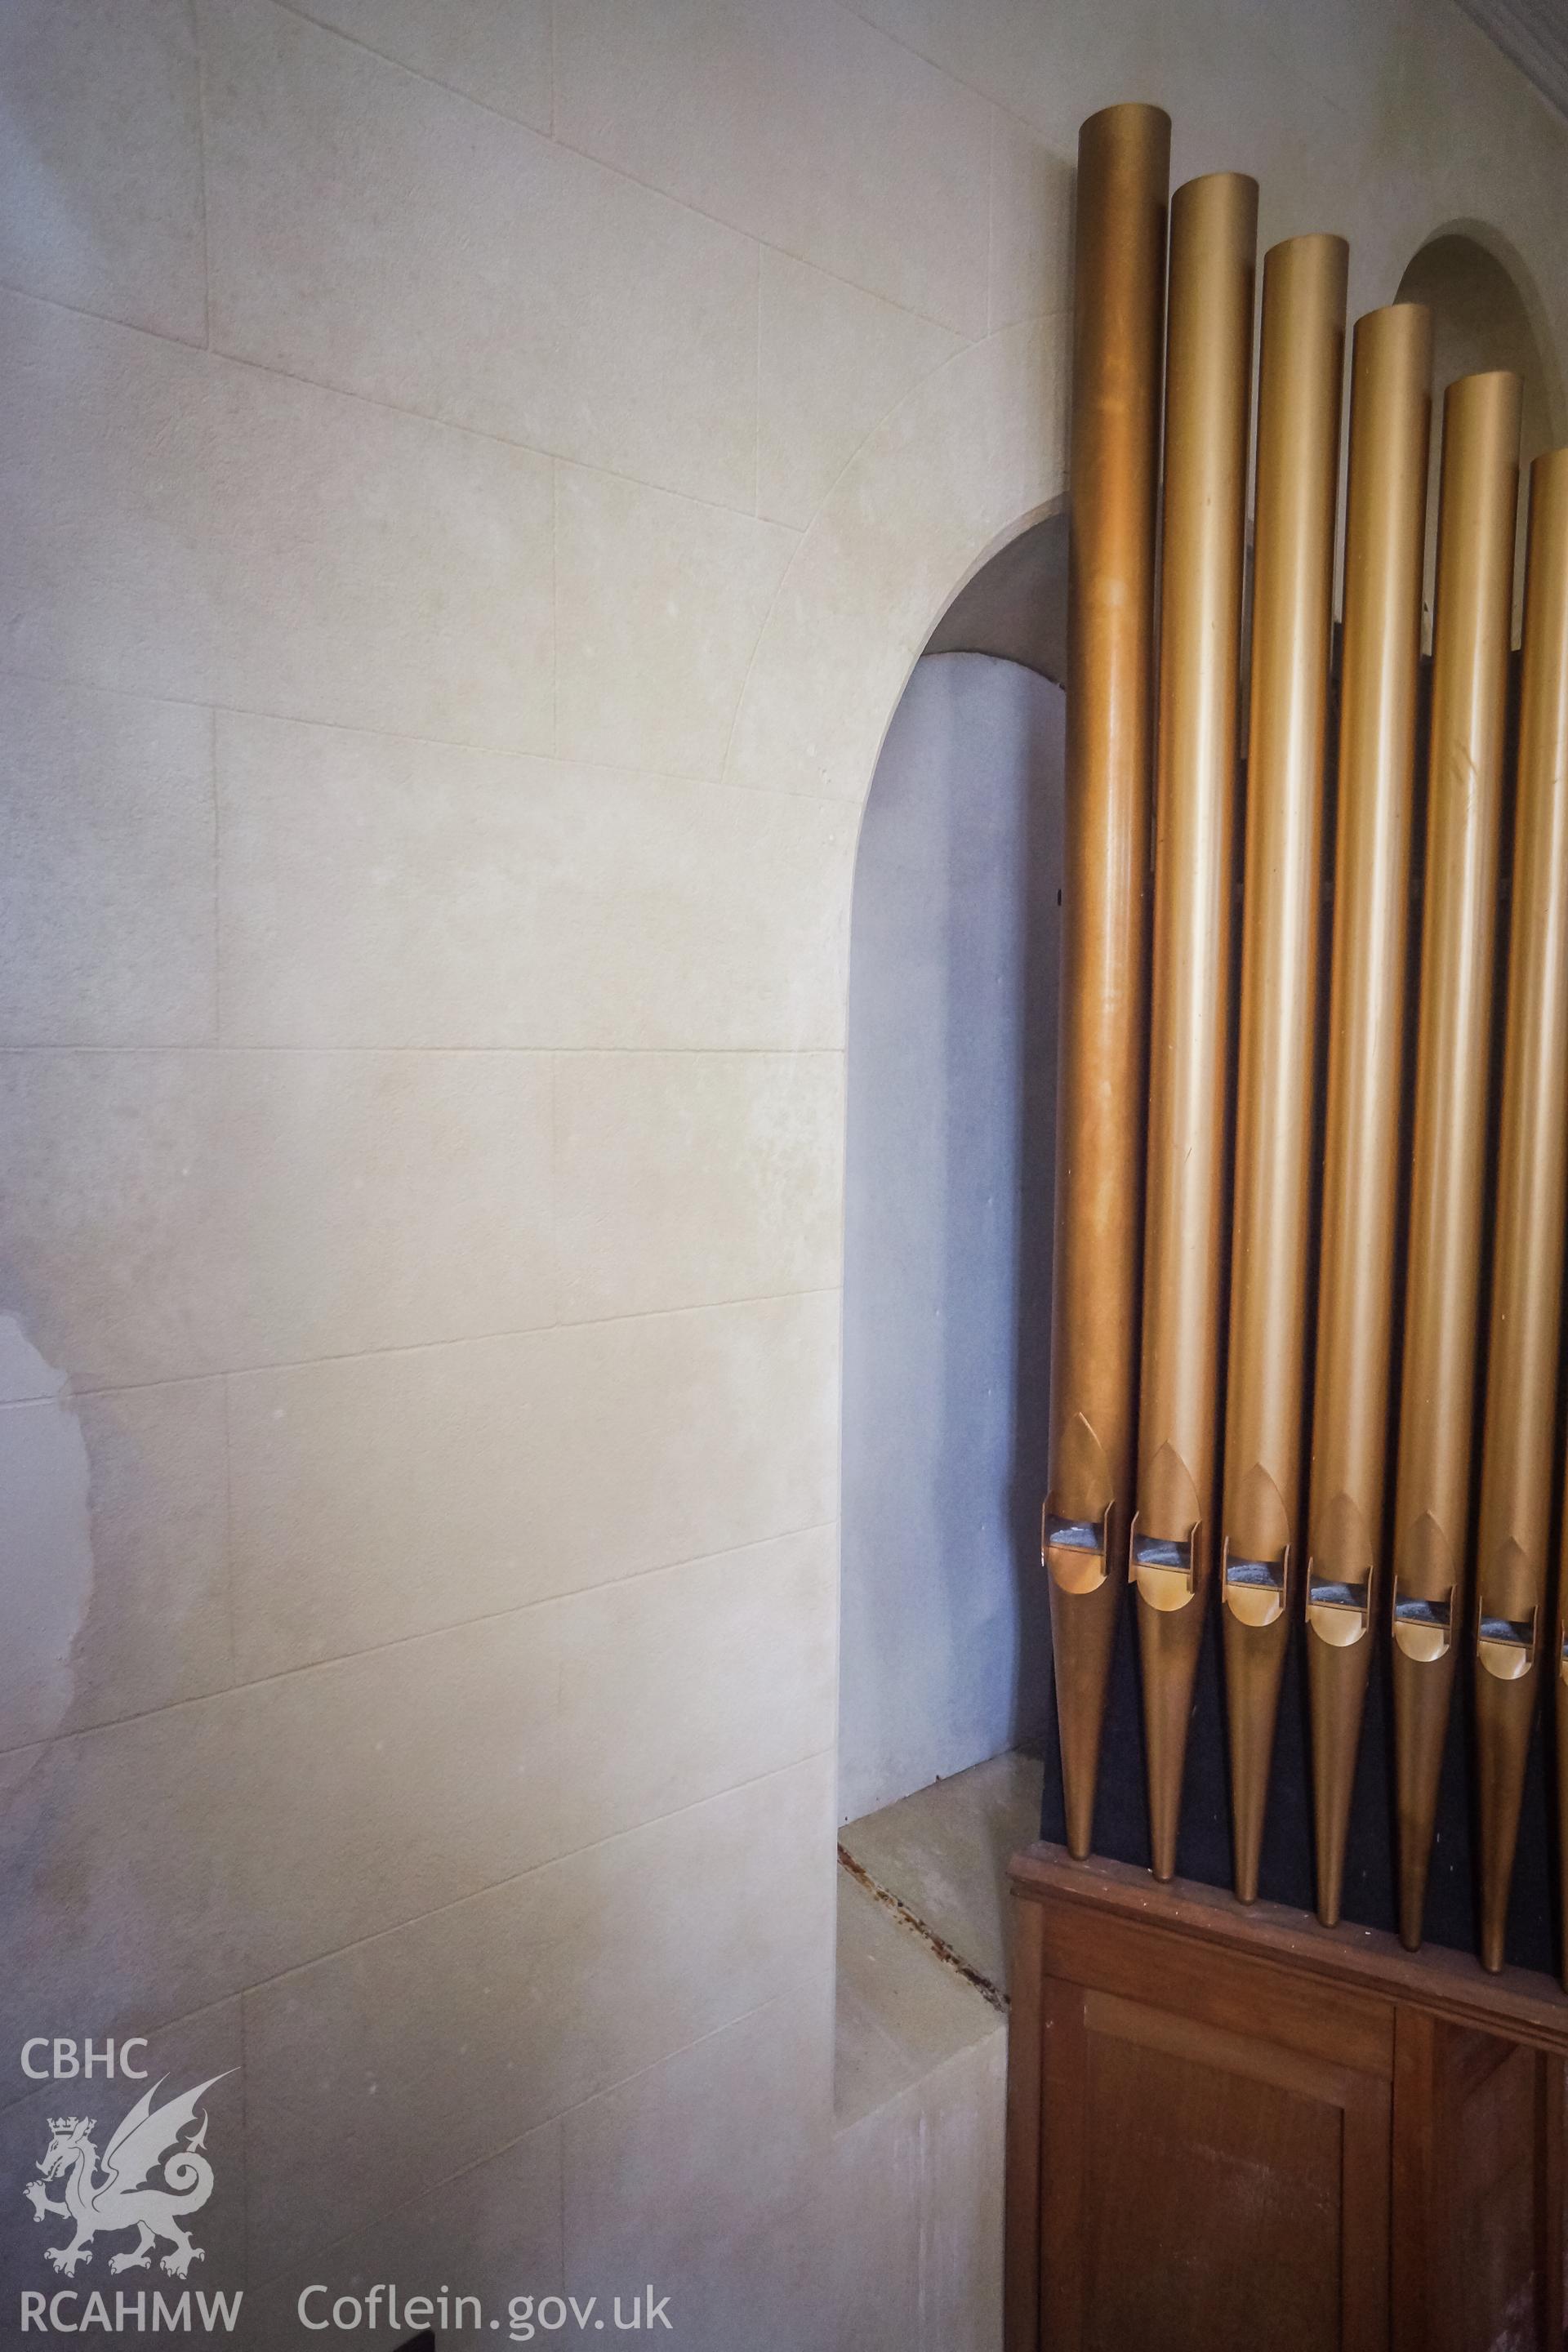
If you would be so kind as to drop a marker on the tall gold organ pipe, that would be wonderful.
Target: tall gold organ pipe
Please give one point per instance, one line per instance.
(1208, 387)
(1385, 536)
(1299, 384)
(1532, 1200)
(1471, 629)
(1123, 176)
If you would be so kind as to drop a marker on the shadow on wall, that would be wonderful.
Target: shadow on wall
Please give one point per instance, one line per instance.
(949, 1180)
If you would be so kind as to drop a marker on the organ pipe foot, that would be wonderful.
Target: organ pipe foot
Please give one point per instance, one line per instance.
(1087, 1582)
(1421, 1698)
(1505, 1714)
(1336, 1684)
(1169, 1641)
(1257, 1630)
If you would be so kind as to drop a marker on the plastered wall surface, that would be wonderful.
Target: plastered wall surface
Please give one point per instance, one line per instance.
(476, 480)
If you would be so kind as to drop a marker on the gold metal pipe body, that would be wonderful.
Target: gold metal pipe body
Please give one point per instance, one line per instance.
(1123, 178)
(1471, 630)
(1380, 672)
(1300, 379)
(1512, 1616)
(1208, 387)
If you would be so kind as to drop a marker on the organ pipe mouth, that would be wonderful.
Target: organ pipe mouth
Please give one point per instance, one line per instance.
(1074, 1550)
(1505, 1646)
(1162, 1567)
(1254, 1588)
(1338, 1613)
(1420, 1627)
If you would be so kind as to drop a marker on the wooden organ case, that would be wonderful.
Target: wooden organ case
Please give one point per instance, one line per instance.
(1240, 2131)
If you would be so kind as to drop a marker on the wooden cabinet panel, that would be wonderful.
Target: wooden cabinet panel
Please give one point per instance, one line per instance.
(1208, 2188)
(1477, 2246)
(1230, 2129)
(1218, 1985)
(1221, 2191)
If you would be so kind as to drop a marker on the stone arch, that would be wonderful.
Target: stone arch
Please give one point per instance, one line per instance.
(1489, 312)
(1486, 314)
(971, 458)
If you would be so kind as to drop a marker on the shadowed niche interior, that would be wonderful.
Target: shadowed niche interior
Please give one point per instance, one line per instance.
(952, 1084)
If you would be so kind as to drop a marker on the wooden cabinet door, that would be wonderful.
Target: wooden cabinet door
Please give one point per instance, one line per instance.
(1477, 2192)
(1204, 2187)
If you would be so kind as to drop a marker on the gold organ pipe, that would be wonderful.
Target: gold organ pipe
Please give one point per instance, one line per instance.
(1442, 1304)
(1214, 230)
(1511, 1569)
(1123, 177)
(1385, 536)
(1300, 385)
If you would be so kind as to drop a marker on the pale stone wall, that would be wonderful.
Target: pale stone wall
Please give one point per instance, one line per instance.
(476, 479)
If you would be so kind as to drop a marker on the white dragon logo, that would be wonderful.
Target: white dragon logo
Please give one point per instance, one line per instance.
(126, 2197)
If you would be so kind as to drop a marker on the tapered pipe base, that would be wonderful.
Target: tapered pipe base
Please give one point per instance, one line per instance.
(1254, 1670)
(1336, 1684)
(1505, 1714)
(1083, 1637)
(1169, 1641)
(1422, 1690)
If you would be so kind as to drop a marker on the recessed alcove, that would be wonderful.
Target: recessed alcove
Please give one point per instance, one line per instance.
(944, 1678)
(951, 1079)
